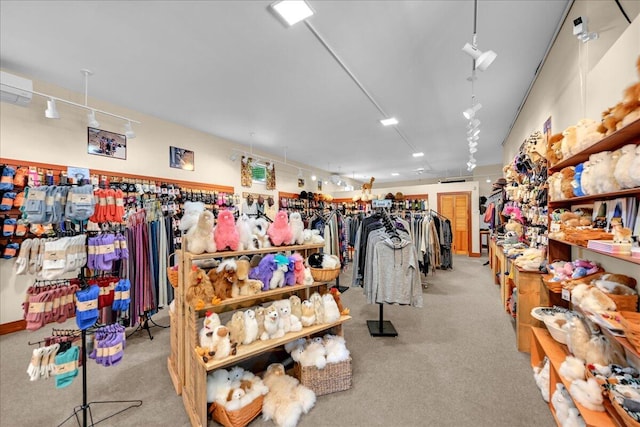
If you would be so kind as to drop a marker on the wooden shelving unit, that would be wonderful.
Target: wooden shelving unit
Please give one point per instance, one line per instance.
(542, 344)
(187, 370)
(627, 258)
(531, 294)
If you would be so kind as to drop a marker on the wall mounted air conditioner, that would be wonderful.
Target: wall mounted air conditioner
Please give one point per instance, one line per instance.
(15, 89)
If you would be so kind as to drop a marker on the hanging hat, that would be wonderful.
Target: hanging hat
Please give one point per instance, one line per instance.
(399, 196)
(389, 196)
(499, 183)
(303, 195)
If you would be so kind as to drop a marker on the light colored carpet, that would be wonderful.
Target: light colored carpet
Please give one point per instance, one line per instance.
(454, 363)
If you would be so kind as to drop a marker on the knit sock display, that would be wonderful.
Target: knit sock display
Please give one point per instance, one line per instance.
(10, 251)
(125, 296)
(119, 215)
(92, 247)
(87, 307)
(48, 204)
(6, 179)
(34, 206)
(22, 262)
(111, 205)
(80, 205)
(21, 227)
(8, 199)
(66, 367)
(9, 227)
(33, 370)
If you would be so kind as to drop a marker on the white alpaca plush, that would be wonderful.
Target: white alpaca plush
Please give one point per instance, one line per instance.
(250, 327)
(622, 173)
(200, 237)
(218, 385)
(277, 279)
(192, 211)
(289, 322)
(574, 419)
(297, 228)
(272, 325)
(541, 375)
(607, 165)
(260, 227)
(331, 312)
(596, 301)
(561, 402)
(234, 402)
(287, 399)
(235, 375)
(336, 349)
(578, 293)
(572, 368)
(588, 181)
(308, 317)
(588, 394)
(578, 338)
(223, 342)
(634, 169)
(330, 262)
(244, 225)
(314, 354)
(312, 237)
(308, 278)
(318, 307)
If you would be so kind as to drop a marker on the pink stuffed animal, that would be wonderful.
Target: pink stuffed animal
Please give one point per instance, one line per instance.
(225, 233)
(279, 232)
(298, 268)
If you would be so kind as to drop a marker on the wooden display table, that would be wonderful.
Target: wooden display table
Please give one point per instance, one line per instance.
(531, 294)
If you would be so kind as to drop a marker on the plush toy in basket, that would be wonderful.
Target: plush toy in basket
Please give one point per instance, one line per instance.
(324, 267)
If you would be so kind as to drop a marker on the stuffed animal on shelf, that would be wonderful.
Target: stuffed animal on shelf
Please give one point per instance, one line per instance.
(236, 328)
(279, 231)
(587, 134)
(287, 399)
(634, 169)
(318, 307)
(605, 168)
(620, 234)
(622, 172)
(297, 228)
(554, 182)
(296, 306)
(566, 187)
(308, 317)
(260, 315)
(246, 239)
(290, 323)
(596, 301)
(223, 348)
(207, 342)
(298, 268)
(290, 274)
(577, 180)
(308, 277)
(554, 150)
(191, 214)
(282, 266)
(264, 271)
(572, 368)
(272, 325)
(250, 327)
(336, 296)
(561, 402)
(223, 278)
(541, 375)
(569, 144)
(225, 233)
(588, 394)
(200, 237)
(260, 228)
(243, 285)
(587, 179)
(331, 312)
(312, 237)
(200, 291)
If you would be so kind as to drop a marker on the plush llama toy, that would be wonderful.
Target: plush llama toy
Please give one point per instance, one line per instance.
(211, 321)
(223, 278)
(278, 277)
(308, 317)
(623, 167)
(264, 271)
(297, 228)
(225, 234)
(200, 237)
(260, 228)
(250, 327)
(287, 399)
(244, 285)
(244, 226)
(290, 275)
(331, 312)
(192, 211)
(279, 232)
(298, 268)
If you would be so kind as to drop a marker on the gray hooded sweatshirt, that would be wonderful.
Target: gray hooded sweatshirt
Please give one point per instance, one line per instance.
(396, 277)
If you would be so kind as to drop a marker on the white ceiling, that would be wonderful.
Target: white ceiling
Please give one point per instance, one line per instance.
(231, 69)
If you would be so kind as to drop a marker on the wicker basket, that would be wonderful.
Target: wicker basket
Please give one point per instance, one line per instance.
(239, 418)
(334, 377)
(324, 275)
(630, 322)
(172, 273)
(624, 416)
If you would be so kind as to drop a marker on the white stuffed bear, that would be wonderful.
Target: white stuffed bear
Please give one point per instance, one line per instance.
(588, 394)
(192, 211)
(297, 228)
(606, 183)
(308, 317)
(634, 169)
(622, 173)
(200, 237)
(218, 385)
(244, 225)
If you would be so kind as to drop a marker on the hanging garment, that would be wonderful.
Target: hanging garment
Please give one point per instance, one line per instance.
(396, 278)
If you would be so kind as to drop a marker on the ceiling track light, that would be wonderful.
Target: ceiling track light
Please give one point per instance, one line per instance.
(469, 113)
(473, 123)
(482, 59)
(473, 150)
(51, 112)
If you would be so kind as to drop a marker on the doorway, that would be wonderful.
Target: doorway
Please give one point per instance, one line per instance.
(457, 208)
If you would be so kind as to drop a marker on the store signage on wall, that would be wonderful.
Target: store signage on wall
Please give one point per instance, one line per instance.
(182, 158)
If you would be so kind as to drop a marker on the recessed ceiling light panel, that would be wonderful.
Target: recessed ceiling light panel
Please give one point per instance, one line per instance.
(389, 122)
(395, 174)
(420, 154)
(290, 12)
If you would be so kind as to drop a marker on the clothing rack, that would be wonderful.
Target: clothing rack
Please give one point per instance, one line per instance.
(85, 408)
(381, 327)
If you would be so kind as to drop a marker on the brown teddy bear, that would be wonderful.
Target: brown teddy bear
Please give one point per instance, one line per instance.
(223, 279)
(200, 292)
(554, 148)
(566, 187)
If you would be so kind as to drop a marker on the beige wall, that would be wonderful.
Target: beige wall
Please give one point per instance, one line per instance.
(581, 80)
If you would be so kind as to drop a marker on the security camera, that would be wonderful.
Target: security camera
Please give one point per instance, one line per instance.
(579, 26)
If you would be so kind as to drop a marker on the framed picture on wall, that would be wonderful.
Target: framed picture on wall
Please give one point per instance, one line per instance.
(319, 184)
(105, 143)
(182, 158)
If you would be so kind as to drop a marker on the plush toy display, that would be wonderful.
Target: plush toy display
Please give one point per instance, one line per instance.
(191, 213)
(604, 170)
(290, 323)
(331, 311)
(569, 142)
(297, 228)
(634, 169)
(336, 296)
(587, 134)
(244, 226)
(620, 234)
(260, 315)
(218, 345)
(279, 231)
(290, 274)
(326, 261)
(541, 376)
(223, 278)
(218, 384)
(622, 172)
(282, 266)
(554, 149)
(588, 179)
(296, 306)
(624, 112)
(250, 327)
(200, 291)
(318, 307)
(236, 328)
(336, 348)
(243, 285)
(566, 187)
(260, 228)
(308, 317)
(225, 233)
(572, 368)
(577, 180)
(313, 353)
(200, 237)
(554, 183)
(588, 394)
(264, 271)
(207, 342)
(287, 399)
(272, 325)
(298, 268)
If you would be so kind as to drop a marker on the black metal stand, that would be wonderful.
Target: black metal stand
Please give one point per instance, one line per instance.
(145, 319)
(342, 289)
(381, 328)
